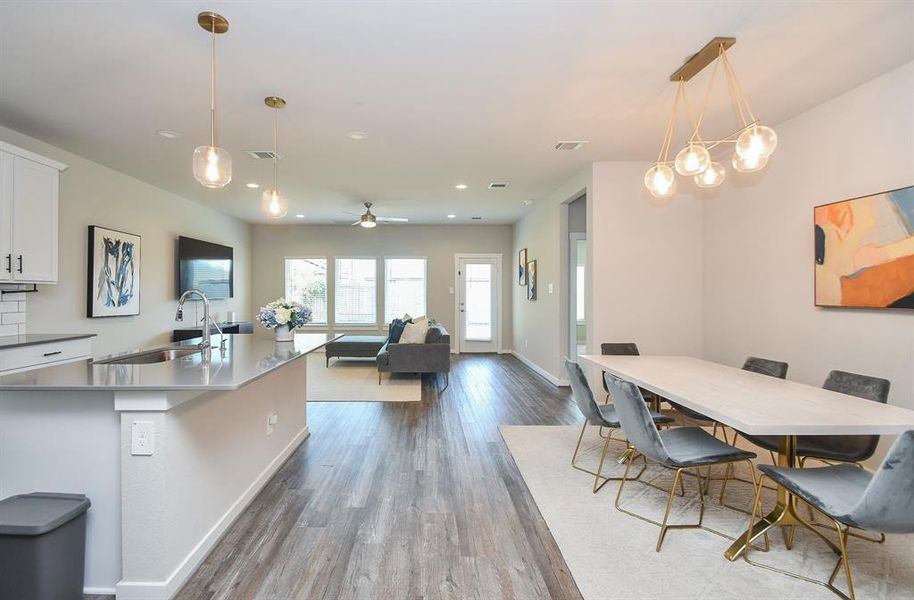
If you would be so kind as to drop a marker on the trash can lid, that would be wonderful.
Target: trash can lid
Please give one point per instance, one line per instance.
(39, 512)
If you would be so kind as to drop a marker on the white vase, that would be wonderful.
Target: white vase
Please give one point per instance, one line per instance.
(283, 333)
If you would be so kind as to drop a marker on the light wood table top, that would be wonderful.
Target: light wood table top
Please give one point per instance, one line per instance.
(753, 403)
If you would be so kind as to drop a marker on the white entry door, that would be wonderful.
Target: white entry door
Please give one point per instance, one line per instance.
(477, 304)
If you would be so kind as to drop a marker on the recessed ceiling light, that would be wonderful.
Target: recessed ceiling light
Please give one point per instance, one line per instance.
(452, 216)
(168, 133)
(357, 135)
(252, 185)
(461, 186)
(299, 216)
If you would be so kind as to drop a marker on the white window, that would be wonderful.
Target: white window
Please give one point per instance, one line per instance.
(355, 291)
(404, 287)
(306, 282)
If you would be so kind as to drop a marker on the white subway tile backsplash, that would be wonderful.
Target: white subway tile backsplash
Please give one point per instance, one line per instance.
(6, 307)
(22, 306)
(16, 296)
(9, 330)
(21, 327)
(12, 318)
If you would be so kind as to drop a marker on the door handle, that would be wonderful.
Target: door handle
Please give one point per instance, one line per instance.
(9, 263)
(20, 263)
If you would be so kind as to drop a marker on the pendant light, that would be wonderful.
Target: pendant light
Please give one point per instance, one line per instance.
(212, 164)
(273, 202)
(753, 143)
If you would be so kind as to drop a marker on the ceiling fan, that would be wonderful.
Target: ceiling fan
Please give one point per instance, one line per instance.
(371, 220)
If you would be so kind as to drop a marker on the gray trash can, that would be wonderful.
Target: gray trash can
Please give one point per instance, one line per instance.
(42, 546)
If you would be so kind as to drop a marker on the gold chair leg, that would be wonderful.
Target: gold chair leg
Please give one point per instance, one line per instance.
(669, 505)
(845, 559)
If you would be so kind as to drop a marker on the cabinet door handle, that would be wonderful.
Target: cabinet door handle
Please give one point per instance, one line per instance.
(56, 352)
(20, 263)
(9, 263)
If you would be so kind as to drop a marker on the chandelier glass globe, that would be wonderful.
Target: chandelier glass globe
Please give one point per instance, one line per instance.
(749, 165)
(756, 142)
(692, 160)
(274, 204)
(660, 181)
(711, 177)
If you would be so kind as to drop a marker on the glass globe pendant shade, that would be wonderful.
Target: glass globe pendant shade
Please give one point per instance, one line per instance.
(749, 165)
(692, 160)
(713, 176)
(212, 166)
(274, 204)
(660, 181)
(756, 142)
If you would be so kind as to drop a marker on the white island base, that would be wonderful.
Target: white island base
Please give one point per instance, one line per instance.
(154, 517)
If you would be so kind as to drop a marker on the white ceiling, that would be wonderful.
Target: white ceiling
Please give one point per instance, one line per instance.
(454, 92)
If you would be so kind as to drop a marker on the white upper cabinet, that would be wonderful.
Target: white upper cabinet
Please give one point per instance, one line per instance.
(28, 216)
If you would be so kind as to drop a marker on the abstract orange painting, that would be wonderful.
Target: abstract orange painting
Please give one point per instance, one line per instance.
(865, 251)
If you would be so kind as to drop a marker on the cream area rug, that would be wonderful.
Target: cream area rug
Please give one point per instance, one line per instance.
(356, 380)
(611, 554)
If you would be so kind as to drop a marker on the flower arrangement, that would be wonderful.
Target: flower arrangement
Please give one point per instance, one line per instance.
(284, 316)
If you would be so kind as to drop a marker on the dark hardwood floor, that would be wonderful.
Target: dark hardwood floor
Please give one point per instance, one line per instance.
(403, 500)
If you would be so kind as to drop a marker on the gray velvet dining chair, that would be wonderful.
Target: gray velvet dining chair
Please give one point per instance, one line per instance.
(601, 415)
(852, 497)
(678, 448)
(852, 449)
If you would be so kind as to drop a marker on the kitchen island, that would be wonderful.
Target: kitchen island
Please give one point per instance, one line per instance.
(169, 452)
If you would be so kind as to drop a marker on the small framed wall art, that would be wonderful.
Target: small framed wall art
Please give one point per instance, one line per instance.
(113, 281)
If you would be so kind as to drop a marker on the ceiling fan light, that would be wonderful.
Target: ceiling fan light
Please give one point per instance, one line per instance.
(711, 177)
(368, 221)
(692, 160)
(274, 204)
(756, 142)
(749, 165)
(660, 181)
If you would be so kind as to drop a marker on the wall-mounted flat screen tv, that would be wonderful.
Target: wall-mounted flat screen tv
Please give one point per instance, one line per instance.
(205, 266)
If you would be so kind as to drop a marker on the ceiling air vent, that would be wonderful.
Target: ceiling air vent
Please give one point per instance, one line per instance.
(262, 154)
(476, 218)
(498, 185)
(570, 145)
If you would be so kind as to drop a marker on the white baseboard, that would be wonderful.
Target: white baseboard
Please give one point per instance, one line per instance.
(506, 351)
(98, 591)
(541, 371)
(163, 590)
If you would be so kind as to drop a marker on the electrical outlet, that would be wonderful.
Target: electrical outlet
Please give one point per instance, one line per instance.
(550, 288)
(272, 420)
(141, 438)
(526, 344)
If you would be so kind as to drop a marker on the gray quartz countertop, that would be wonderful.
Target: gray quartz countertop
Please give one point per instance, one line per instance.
(30, 339)
(246, 358)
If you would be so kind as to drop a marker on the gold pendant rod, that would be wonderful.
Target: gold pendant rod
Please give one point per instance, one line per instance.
(702, 59)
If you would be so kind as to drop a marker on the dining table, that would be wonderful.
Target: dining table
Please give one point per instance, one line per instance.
(758, 405)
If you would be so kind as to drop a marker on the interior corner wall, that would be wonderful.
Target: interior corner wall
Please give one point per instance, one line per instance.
(758, 252)
(92, 194)
(539, 332)
(645, 264)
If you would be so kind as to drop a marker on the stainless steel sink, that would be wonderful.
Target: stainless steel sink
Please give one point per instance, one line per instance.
(146, 357)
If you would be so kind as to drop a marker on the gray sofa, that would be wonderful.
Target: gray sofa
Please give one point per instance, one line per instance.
(434, 356)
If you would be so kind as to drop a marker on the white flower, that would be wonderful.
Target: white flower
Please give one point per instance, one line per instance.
(283, 315)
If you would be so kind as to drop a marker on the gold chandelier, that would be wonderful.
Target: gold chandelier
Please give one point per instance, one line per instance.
(753, 141)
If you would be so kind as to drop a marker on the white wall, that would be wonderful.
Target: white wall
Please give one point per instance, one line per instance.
(437, 243)
(758, 254)
(646, 262)
(540, 331)
(92, 194)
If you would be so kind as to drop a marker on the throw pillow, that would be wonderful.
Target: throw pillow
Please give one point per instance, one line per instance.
(419, 319)
(407, 318)
(414, 333)
(396, 331)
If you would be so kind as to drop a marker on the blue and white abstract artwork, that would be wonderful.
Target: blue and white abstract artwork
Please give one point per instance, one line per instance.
(114, 273)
